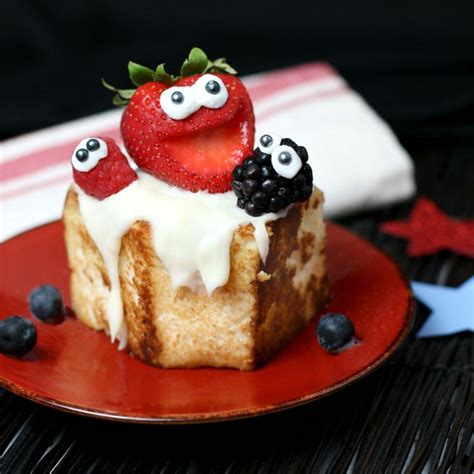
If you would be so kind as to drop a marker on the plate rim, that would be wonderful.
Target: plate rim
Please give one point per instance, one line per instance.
(233, 415)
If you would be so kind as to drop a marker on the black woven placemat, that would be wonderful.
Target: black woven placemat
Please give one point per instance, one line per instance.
(415, 413)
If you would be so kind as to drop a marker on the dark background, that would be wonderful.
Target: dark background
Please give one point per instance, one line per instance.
(413, 61)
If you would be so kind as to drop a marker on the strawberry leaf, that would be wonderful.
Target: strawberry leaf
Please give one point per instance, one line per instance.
(139, 74)
(161, 75)
(195, 64)
(220, 65)
(122, 96)
(119, 101)
(124, 93)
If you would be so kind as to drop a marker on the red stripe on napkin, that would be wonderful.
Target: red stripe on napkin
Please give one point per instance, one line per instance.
(37, 186)
(36, 160)
(290, 77)
(295, 102)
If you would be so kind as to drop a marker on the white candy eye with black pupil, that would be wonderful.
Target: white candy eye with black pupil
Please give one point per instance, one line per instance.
(88, 153)
(210, 91)
(286, 162)
(178, 102)
(268, 142)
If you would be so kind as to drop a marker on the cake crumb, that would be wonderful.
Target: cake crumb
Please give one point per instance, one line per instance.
(262, 276)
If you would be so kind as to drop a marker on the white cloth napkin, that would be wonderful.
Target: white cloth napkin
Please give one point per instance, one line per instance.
(356, 159)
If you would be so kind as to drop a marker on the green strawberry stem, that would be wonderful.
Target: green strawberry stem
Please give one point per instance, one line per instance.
(197, 62)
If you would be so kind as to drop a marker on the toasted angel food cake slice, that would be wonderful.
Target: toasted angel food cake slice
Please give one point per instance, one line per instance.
(205, 251)
(239, 325)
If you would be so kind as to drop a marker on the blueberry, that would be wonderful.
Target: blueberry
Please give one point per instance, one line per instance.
(241, 203)
(334, 331)
(46, 303)
(17, 336)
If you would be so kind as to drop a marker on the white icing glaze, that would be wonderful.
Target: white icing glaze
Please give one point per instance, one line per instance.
(194, 97)
(205, 98)
(94, 156)
(287, 170)
(191, 232)
(182, 110)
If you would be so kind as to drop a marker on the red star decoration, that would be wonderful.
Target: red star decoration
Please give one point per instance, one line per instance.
(429, 230)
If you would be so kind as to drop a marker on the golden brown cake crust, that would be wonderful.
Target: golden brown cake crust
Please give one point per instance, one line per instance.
(285, 308)
(243, 324)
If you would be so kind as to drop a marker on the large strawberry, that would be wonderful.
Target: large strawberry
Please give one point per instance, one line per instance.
(192, 130)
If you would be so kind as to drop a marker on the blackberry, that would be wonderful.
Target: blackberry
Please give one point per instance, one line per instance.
(270, 182)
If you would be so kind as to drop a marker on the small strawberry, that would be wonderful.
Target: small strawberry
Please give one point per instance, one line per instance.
(190, 131)
(100, 168)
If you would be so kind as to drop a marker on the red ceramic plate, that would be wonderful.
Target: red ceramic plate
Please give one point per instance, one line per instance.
(78, 370)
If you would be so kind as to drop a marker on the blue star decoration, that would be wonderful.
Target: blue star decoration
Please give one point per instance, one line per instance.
(452, 309)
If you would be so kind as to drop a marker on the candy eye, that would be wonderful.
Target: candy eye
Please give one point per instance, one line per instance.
(92, 144)
(213, 87)
(286, 161)
(178, 102)
(268, 142)
(211, 91)
(88, 153)
(177, 97)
